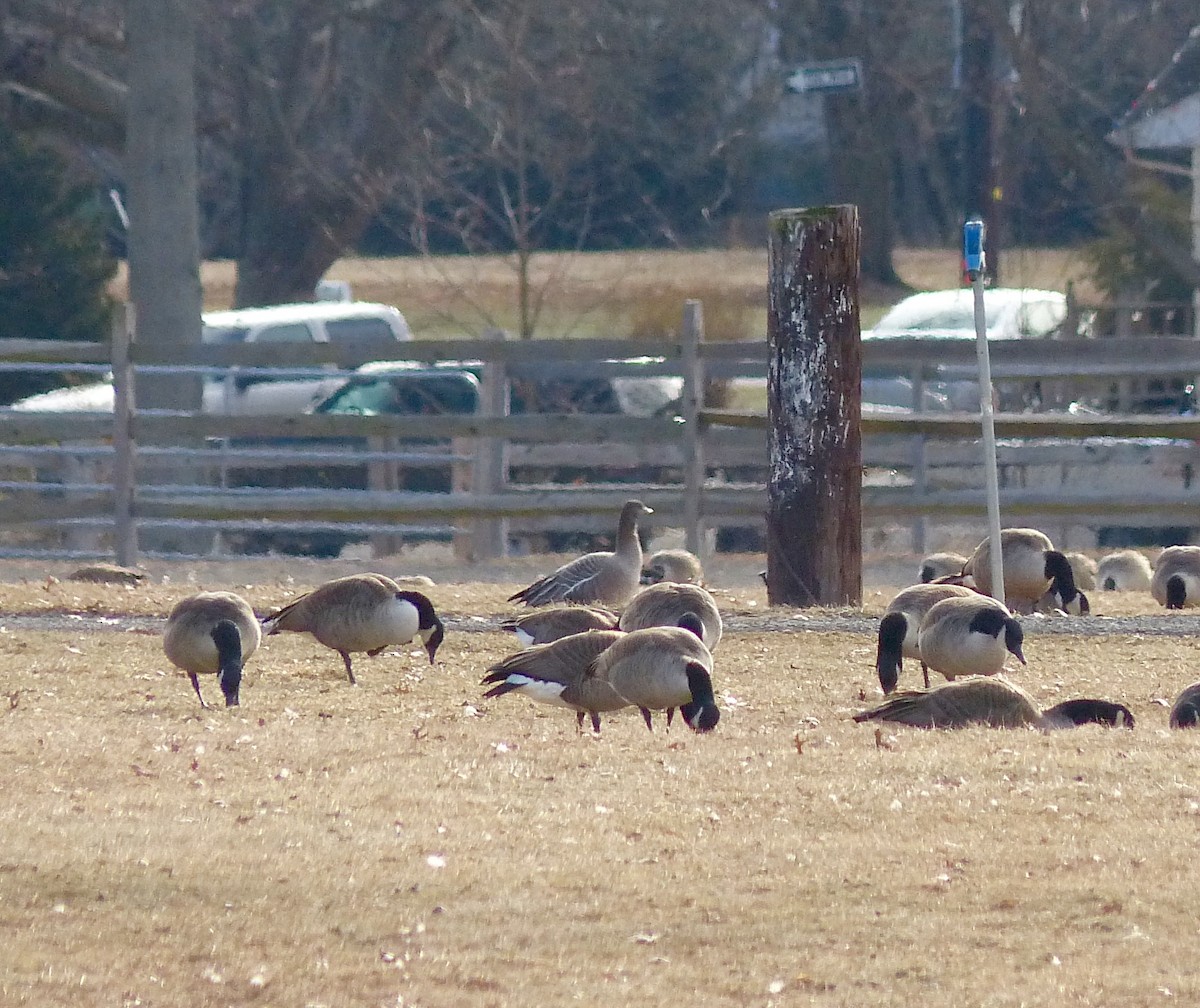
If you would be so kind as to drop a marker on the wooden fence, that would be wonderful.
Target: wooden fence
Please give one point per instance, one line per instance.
(89, 484)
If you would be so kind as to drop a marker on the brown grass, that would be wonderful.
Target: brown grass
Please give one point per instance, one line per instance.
(406, 843)
(602, 294)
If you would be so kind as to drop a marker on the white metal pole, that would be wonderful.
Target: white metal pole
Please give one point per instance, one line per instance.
(973, 258)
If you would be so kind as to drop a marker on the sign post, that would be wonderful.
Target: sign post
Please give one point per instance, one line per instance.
(974, 261)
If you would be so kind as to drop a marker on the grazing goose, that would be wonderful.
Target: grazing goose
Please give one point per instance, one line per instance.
(1032, 567)
(665, 604)
(676, 565)
(1124, 570)
(361, 612)
(990, 701)
(964, 636)
(556, 674)
(1084, 568)
(940, 565)
(212, 632)
(548, 625)
(1186, 711)
(900, 624)
(662, 668)
(602, 577)
(1176, 580)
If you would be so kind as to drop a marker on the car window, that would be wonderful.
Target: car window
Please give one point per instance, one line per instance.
(406, 395)
(345, 330)
(293, 332)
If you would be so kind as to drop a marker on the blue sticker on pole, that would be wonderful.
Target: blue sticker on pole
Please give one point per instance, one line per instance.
(973, 257)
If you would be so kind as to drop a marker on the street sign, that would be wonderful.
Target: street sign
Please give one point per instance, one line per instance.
(827, 77)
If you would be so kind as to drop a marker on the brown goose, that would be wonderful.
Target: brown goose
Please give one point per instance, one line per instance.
(662, 668)
(1124, 570)
(548, 625)
(601, 577)
(1084, 568)
(940, 565)
(665, 604)
(965, 636)
(212, 632)
(1032, 567)
(1176, 580)
(675, 565)
(899, 627)
(993, 702)
(361, 612)
(556, 674)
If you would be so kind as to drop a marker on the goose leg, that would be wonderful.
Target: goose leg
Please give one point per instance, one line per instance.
(670, 717)
(196, 686)
(579, 716)
(925, 673)
(378, 651)
(646, 717)
(595, 722)
(349, 671)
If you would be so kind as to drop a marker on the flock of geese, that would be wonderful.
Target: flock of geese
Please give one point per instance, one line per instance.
(611, 631)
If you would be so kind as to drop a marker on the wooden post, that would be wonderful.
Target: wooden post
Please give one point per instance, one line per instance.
(693, 445)
(814, 369)
(124, 444)
(491, 458)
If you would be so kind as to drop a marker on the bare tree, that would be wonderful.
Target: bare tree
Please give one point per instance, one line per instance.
(316, 99)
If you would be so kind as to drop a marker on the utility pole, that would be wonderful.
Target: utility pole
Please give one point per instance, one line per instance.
(982, 187)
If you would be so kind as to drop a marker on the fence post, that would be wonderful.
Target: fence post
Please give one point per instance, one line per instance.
(693, 443)
(814, 368)
(490, 474)
(124, 442)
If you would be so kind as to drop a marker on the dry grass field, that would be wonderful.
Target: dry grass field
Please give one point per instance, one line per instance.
(641, 293)
(404, 842)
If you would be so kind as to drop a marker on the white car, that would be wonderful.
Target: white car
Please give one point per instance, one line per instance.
(318, 322)
(1009, 313)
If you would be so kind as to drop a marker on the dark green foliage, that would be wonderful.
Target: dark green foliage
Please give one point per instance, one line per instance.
(53, 264)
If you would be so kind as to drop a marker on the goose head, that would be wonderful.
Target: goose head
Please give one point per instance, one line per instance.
(893, 628)
(1062, 581)
(429, 626)
(701, 713)
(993, 620)
(228, 641)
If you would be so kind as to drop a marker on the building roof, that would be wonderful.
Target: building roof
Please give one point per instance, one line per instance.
(1167, 112)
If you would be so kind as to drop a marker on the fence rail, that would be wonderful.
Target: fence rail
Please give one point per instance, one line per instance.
(66, 479)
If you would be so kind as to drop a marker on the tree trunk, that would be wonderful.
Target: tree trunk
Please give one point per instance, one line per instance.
(160, 157)
(814, 490)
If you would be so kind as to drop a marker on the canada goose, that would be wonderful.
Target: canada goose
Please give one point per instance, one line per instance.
(665, 603)
(1032, 567)
(1176, 580)
(555, 674)
(1084, 568)
(900, 624)
(1124, 570)
(1186, 711)
(662, 668)
(990, 701)
(1103, 712)
(676, 565)
(361, 612)
(940, 565)
(603, 577)
(212, 632)
(547, 625)
(963, 636)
